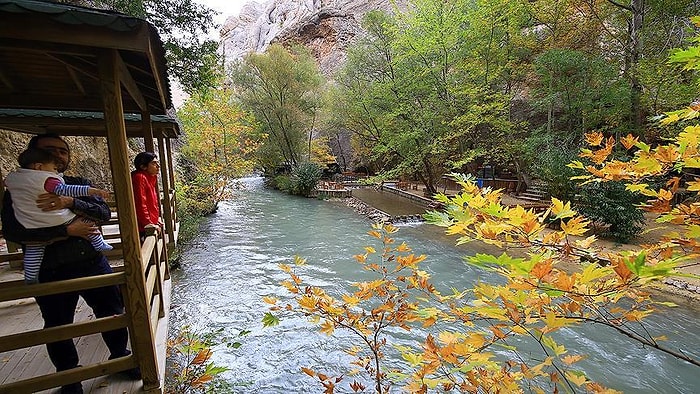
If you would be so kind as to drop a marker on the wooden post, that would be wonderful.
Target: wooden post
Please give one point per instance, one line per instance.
(142, 338)
(147, 128)
(165, 180)
(172, 176)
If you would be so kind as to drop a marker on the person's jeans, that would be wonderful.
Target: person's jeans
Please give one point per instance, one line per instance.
(59, 309)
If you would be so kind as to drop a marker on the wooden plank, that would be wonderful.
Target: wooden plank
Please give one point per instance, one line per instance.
(54, 334)
(15, 256)
(136, 304)
(49, 31)
(72, 375)
(15, 290)
(162, 90)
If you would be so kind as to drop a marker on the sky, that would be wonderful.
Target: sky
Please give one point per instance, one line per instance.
(225, 7)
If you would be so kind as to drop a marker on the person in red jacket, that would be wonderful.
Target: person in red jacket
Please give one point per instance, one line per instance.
(145, 183)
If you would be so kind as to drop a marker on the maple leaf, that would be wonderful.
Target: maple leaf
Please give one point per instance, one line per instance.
(307, 302)
(629, 141)
(327, 327)
(575, 226)
(594, 139)
(270, 320)
(577, 378)
(560, 209)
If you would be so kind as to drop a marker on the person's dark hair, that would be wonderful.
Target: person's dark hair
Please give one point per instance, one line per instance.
(142, 159)
(35, 140)
(33, 156)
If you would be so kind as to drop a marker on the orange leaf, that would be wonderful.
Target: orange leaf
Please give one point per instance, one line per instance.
(308, 371)
(202, 356)
(594, 139)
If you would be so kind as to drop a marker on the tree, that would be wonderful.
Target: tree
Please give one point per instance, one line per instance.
(219, 147)
(183, 26)
(281, 89)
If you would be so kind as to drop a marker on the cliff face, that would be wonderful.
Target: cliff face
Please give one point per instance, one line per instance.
(326, 27)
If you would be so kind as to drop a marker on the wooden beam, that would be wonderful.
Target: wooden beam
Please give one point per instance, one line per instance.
(76, 80)
(77, 64)
(16, 290)
(21, 45)
(142, 337)
(6, 81)
(75, 102)
(59, 333)
(45, 29)
(147, 128)
(131, 86)
(45, 382)
(162, 92)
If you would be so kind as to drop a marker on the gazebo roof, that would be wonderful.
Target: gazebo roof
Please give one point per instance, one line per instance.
(49, 58)
(82, 123)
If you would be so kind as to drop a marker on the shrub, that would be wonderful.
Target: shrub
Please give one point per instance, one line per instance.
(610, 204)
(304, 178)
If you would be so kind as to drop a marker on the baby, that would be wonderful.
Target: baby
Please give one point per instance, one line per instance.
(38, 175)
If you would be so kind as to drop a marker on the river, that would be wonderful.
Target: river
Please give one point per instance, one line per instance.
(234, 264)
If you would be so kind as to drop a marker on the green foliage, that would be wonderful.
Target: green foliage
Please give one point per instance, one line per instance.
(183, 26)
(580, 92)
(548, 159)
(190, 369)
(283, 183)
(281, 88)
(305, 177)
(219, 147)
(610, 204)
(301, 181)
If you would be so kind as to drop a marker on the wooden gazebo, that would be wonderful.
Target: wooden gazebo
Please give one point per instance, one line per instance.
(83, 72)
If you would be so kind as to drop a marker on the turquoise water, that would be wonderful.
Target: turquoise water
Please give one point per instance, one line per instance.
(234, 264)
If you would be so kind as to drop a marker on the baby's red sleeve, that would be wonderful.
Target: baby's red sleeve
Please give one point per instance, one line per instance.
(51, 183)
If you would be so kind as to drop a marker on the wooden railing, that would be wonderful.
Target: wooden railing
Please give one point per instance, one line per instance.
(155, 270)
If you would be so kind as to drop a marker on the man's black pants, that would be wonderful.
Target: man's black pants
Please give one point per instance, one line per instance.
(59, 309)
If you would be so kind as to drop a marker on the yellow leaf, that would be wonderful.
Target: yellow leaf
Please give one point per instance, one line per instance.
(351, 300)
(270, 300)
(575, 226)
(285, 267)
(412, 358)
(308, 371)
(592, 272)
(577, 378)
(629, 141)
(572, 359)
(327, 328)
(307, 302)
(289, 286)
(298, 260)
(375, 234)
(560, 209)
(369, 249)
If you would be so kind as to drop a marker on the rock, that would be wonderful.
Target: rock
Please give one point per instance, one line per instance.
(326, 28)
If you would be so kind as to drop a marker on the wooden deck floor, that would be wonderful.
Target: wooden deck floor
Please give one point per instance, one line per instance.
(22, 315)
